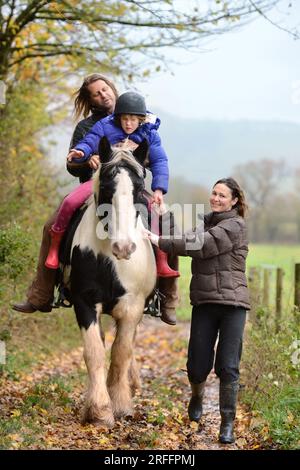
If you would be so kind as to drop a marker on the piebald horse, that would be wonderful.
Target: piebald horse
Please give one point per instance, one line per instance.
(112, 271)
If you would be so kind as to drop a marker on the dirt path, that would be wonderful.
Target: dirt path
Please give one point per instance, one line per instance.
(42, 409)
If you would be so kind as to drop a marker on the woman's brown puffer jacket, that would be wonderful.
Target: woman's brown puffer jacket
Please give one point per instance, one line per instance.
(218, 259)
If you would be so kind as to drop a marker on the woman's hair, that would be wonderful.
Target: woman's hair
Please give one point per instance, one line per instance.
(82, 101)
(236, 191)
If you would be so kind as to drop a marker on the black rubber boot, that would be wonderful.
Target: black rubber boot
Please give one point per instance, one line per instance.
(228, 400)
(195, 405)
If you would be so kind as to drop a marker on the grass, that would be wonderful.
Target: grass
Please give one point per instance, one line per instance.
(283, 415)
(36, 338)
(43, 405)
(283, 256)
(272, 384)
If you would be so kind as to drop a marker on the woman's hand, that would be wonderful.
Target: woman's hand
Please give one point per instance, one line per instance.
(94, 162)
(151, 236)
(158, 197)
(74, 154)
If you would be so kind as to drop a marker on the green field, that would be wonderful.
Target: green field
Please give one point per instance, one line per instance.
(283, 256)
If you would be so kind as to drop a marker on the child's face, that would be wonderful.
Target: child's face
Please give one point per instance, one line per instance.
(129, 122)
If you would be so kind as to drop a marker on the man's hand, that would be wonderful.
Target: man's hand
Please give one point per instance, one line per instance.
(74, 154)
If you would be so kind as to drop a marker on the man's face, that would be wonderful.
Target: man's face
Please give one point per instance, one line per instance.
(101, 95)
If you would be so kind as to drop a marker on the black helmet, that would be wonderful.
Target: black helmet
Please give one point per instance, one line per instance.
(130, 103)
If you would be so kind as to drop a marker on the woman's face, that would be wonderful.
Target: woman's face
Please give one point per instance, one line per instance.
(101, 95)
(221, 198)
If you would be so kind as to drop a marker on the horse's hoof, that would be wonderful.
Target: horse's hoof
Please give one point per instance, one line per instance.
(100, 417)
(124, 413)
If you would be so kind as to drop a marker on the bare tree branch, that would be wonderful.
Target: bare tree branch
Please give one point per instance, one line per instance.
(294, 34)
(106, 28)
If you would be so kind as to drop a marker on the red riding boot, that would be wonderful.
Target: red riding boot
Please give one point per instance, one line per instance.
(163, 269)
(52, 261)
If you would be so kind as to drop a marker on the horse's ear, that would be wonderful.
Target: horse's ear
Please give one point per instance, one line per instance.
(141, 153)
(104, 150)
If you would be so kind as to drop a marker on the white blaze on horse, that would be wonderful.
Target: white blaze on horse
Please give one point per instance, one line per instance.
(115, 275)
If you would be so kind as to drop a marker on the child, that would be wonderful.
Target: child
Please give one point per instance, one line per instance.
(129, 122)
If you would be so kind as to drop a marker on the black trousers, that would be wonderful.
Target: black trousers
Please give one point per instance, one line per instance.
(209, 320)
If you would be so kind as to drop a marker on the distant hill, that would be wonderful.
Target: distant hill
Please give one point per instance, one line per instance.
(203, 150)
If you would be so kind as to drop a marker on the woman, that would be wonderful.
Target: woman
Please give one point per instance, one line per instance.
(219, 296)
(96, 96)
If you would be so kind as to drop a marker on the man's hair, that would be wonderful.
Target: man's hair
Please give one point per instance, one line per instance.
(83, 105)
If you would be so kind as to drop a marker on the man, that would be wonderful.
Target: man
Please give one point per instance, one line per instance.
(97, 95)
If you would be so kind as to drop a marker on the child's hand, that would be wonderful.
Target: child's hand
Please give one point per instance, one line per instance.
(74, 154)
(158, 197)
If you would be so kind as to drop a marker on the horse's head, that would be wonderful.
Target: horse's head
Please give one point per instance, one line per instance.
(117, 193)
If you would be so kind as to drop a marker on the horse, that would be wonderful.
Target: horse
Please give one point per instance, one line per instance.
(112, 274)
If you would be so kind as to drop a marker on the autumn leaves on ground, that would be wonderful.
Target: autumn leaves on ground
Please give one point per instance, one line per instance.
(40, 409)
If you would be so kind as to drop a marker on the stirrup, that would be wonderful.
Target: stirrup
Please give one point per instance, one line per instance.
(62, 299)
(153, 307)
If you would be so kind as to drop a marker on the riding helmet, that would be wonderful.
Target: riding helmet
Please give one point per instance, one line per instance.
(130, 103)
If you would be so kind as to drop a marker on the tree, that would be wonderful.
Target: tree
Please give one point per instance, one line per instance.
(262, 182)
(27, 188)
(112, 34)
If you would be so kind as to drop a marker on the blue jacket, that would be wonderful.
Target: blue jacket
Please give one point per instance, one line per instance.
(158, 160)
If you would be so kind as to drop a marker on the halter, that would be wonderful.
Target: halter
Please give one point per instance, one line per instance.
(121, 159)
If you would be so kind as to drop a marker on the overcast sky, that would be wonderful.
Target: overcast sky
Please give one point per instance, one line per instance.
(252, 73)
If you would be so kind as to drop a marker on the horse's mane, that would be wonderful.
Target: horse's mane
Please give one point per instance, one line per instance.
(122, 155)
(119, 155)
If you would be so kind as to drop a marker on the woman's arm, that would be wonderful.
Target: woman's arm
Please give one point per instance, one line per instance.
(199, 244)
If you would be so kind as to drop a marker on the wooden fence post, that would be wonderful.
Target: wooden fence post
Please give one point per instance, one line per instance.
(279, 285)
(255, 290)
(266, 288)
(297, 286)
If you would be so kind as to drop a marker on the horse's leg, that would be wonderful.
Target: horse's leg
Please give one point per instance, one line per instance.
(97, 405)
(134, 374)
(123, 363)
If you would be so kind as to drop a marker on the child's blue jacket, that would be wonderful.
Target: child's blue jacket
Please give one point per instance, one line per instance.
(158, 160)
